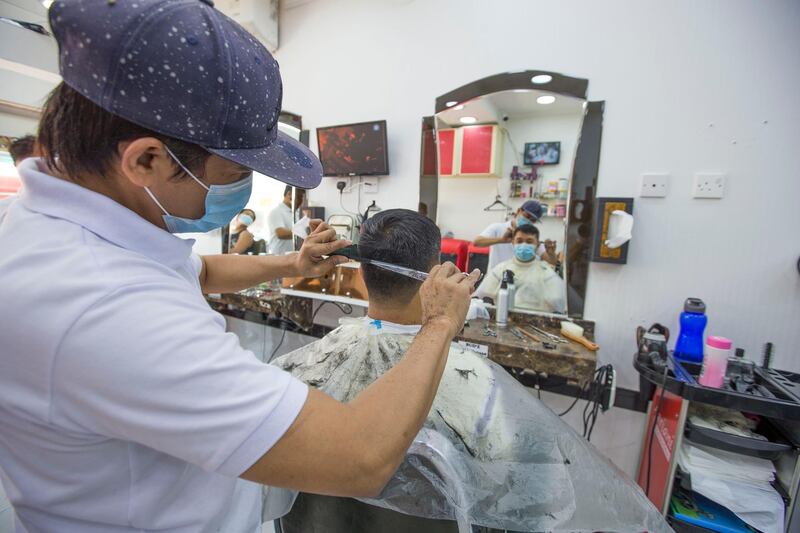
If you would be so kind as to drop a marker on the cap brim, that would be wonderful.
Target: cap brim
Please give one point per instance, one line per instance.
(286, 160)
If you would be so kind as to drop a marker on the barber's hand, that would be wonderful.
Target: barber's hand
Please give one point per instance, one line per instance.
(508, 235)
(445, 296)
(309, 262)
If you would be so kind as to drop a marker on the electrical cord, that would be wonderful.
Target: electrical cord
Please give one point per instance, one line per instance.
(653, 432)
(280, 343)
(347, 309)
(593, 391)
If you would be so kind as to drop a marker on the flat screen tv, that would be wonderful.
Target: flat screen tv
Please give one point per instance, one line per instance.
(542, 153)
(354, 149)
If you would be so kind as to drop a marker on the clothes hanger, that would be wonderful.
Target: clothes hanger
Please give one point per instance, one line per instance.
(497, 202)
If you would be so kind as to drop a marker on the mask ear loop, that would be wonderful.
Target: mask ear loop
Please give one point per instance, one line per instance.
(153, 196)
(203, 185)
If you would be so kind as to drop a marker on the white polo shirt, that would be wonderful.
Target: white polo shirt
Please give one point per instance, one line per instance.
(124, 404)
(280, 217)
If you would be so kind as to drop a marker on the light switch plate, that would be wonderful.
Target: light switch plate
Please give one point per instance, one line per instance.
(654, 185)
(370, 184)
(709, 185)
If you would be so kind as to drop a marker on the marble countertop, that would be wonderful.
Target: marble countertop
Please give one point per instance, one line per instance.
(568, 360)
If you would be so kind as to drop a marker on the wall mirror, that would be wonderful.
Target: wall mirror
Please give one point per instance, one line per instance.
(494, 145)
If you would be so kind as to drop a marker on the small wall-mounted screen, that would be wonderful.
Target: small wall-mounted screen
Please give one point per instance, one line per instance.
(542, 153)
(354, 149)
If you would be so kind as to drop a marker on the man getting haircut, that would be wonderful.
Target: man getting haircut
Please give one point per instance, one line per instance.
(489, 453)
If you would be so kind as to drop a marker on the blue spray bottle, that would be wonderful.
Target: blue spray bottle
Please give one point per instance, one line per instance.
(689, 347)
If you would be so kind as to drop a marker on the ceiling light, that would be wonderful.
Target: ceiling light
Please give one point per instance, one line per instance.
(541, 79)
(468, 120)
(546, 99)
(47, 3)
(458, 107)
(451, 103)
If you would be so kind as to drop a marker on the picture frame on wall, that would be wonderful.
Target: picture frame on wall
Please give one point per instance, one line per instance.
(542, 153)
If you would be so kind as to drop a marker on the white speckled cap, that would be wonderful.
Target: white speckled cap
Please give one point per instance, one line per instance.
(183, 69)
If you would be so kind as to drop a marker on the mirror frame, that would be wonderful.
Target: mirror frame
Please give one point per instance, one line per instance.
(583, 182)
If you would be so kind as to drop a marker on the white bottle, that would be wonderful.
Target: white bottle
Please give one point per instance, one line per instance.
(501, 316)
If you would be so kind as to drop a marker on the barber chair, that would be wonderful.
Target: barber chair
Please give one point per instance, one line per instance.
(477, 258)
(455, 250)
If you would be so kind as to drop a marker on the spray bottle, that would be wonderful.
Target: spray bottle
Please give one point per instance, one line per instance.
(501, 313)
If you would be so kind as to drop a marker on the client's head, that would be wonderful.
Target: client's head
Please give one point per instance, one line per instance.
(525, 241)
(402, 237)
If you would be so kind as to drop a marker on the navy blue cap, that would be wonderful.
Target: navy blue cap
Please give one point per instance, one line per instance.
(534, 208)
(182, 69)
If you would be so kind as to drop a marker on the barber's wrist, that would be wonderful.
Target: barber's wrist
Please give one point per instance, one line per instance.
(444, 324)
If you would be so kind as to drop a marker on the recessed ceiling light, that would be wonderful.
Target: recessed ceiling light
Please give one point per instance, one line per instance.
(541, 79)
(451, 103)
(546, 99)
(47, 3)
(459, 107)
(468, 120)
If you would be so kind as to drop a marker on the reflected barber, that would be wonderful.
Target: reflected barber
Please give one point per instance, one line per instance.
(124, 404)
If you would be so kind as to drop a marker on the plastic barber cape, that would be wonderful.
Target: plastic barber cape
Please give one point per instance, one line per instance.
(489, 454)
(537, 285)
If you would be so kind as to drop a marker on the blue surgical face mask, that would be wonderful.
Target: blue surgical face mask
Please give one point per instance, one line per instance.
(524, 252)
(246, 219)
(223, 202)
(523, 221)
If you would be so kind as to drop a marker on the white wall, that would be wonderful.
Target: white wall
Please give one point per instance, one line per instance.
(667, 71)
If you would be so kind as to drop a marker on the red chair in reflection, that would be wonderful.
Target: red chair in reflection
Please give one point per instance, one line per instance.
(477, 258)
(455, 250)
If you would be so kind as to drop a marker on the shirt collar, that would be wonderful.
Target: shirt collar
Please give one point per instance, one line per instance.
(99, 214)
(377, 326)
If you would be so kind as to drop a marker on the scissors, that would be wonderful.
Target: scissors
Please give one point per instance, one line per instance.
(353, 253)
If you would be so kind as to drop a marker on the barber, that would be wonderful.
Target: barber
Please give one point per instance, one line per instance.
(498, 236)
(124, 404)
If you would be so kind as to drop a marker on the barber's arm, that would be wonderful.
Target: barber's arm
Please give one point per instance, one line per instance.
(283, 233)
(484, 242)
(231, 273)
(353, 449)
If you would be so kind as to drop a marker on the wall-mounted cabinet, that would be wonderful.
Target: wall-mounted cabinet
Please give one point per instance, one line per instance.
(471, 151)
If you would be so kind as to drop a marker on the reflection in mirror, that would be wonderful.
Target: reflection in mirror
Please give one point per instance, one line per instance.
(505, 161)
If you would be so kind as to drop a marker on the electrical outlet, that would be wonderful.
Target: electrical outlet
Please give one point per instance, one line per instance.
(370, 184)
(345, 187)
(709, 185)
(654, 185)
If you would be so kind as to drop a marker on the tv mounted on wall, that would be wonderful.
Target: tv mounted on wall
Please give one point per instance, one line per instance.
(354, 149)
(547, 153)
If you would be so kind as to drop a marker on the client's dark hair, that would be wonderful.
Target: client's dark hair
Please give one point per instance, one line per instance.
(22, 148)
(402, 237)
(527, 229)
(78, 137)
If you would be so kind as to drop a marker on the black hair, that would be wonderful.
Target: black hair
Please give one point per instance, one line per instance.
(527, 229)
(78, 137)
(402, 237)
(22, 148)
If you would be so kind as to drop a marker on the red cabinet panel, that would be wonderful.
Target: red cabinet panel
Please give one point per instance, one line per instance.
(447, 143)
(428, 153)
(476, 149)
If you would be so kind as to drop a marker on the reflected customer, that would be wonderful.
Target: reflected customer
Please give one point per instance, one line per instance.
(497, 236)
(280, 221)
(242, 240)
(538, 287)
